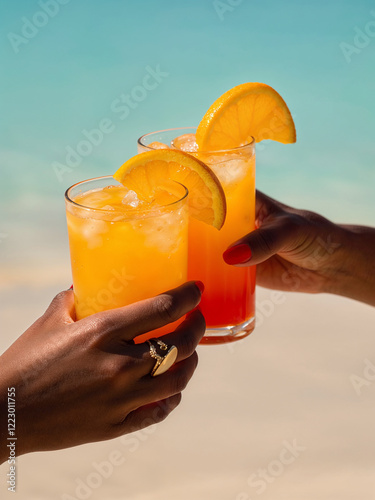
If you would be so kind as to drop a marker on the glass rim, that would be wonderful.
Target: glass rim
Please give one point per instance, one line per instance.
(134, 212)
(238, 148)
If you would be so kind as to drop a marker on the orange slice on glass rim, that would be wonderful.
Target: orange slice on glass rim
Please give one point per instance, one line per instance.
(147, 172)
(246, 111)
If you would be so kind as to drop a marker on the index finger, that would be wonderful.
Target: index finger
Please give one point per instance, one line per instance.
(126, 323)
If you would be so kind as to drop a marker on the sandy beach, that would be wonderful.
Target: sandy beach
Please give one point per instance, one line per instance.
(276, 415)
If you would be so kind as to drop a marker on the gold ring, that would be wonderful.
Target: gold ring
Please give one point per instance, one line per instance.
(162, 363)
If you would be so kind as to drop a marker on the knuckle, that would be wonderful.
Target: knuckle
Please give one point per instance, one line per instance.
(164, 408)
(102, 322)
(109, 371)
(200, 322)
(114, 372)
(128, 364)
(93, 331)
(190, 333)
(266, 241)
(188, 341)
(313, 218)
(183, 373)
(168, 308)
(289, 222)
(180, 381)
(99, 325)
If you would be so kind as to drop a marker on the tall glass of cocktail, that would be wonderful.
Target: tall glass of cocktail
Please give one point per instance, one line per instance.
(228, 302)
(122, 249)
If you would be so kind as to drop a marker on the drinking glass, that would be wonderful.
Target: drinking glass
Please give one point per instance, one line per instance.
(228, 302)
(122, 253)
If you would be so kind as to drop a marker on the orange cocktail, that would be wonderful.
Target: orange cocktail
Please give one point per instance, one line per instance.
(228, 302)
(124, 250)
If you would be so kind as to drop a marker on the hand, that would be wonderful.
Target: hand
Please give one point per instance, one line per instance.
(84, 381)
(297, 250)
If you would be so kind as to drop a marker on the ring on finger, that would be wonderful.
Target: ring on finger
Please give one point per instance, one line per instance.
(162, 361)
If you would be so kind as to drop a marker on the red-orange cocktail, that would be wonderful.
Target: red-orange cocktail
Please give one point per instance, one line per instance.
(228, 302)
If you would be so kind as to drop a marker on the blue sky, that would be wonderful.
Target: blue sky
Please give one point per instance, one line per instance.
(66, 76)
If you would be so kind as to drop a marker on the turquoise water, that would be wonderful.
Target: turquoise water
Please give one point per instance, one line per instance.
(71, 72)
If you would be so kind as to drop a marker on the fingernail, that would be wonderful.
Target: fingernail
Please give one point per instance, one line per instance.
(238, 254)
(71, 288)
(200, 286)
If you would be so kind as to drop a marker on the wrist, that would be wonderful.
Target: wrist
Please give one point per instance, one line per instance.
(353, 273)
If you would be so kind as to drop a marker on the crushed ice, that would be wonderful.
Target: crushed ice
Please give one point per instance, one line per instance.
(185, 142)
(131, 199)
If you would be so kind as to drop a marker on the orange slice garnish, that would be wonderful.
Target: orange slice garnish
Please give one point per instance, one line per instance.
(147, 173)
(246, 111)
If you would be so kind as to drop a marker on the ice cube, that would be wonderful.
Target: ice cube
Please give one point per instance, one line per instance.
(231, 171)
(163, 232)
(158, 145)
(131, 199)
(185, 142)
(92, 232)
(94, 199)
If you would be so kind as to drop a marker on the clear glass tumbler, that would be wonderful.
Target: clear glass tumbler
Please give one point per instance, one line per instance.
(228, 302)
(120, 252)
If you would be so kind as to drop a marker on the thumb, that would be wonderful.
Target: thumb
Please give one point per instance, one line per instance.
(274, 236)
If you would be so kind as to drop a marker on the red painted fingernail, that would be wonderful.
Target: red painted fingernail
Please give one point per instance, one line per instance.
(238, 254)
(200, 286)
(71, 288)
